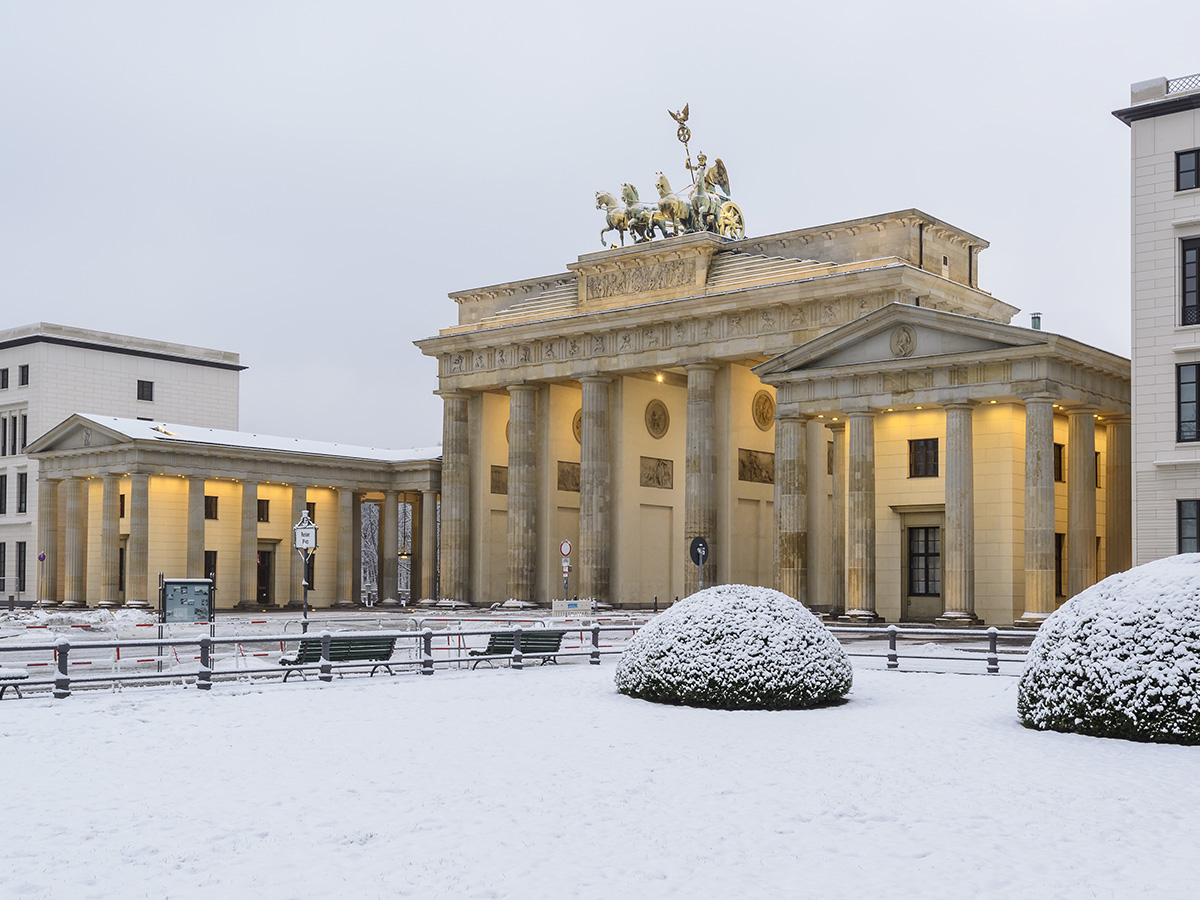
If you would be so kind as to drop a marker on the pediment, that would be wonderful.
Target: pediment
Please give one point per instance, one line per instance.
(898, 332)
(78, 433)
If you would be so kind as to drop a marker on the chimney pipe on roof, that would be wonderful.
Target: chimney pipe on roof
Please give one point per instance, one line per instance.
(1035, 321)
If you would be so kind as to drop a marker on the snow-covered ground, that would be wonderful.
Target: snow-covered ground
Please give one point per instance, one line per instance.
(546, 783)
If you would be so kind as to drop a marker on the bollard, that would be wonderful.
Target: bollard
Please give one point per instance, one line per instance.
(427, 651)
(993, 660)
(326, 665)
(656, 602)
(62, 681)
(204, 678)
(893, 658)
(595, 660)
(517, 662)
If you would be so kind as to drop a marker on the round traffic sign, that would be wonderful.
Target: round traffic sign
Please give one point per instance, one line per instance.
(42, 556)
(699, 550)
(565, 548)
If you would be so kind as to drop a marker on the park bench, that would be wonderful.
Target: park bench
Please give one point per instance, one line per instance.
(534, 641)
(376, 650)
(12, 678)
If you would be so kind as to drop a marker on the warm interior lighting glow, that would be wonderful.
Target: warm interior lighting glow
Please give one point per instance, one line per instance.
(659, 376)
(820, 415)
(920, 407)
(991, 401)
(890, 409)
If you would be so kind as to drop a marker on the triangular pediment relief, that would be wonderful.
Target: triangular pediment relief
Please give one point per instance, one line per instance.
(78, 433)
(898, 332)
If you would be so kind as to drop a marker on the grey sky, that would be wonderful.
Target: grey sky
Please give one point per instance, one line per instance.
(304, 183)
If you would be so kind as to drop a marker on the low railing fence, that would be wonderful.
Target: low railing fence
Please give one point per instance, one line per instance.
(206, 659)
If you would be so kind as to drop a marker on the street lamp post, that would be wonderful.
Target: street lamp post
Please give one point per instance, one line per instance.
(305, 532)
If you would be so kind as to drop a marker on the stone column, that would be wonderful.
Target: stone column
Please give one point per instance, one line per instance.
(700, 473)
(295, 598)
(196, 539)
(1039, 511)
(110, 542)
(47, 593)
(838, 592)
(522, 492)
(389, 542)
(595, 486)
(356, 550)
(958, 591)
(860, 537)
(137, 552)
(1118, 494)
(345, 552)
(791, 505)
(248, 567)
(76, 540)
(1081, 499)
(456, 498)
(429, 566)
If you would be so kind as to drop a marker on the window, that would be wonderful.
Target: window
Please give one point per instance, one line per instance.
(1185, 402)
(1190, 263)
(3, 379)
(923, 458)
(20, 567)
(3, 436)
(310, 571)
(1187, 164)
(210, 565)
(121, 570)
(1097, 468)
(1060, 543)
(13, 434)
(264, 510)
(121, 506)
(24, 431)
(1058, 463)
(145, 390)
(22, 490)
(22, 375)
(3, 547)
(3, 495)
(1189, 519)
(210, 507)
(925, 562)
(312, 511)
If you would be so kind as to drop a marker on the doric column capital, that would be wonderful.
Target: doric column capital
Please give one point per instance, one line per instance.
(595, 379)
(1037, 397)
(960, 404)
(1075, 410)
(518, 387)
(701, 366)
(454, 394)
(1118, 420)
(836, 426)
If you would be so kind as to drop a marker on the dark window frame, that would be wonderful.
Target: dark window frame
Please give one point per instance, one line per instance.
(21, 560)
(145, 390)
(1059, 453)
(4, 379)
(22, 492)
(4, 494)
(1187, 169)
(311, 506)
(1189, 281)
(23, 375)
(211, 508)
(923, 458)
(3, 563)
(210, 565)
(924, 563)
(1187, 403)
(120, 506)
(264, 510)
(1187, 512)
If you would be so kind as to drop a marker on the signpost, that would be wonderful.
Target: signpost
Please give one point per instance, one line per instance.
(305, 532)
(565, 549)
(699, 552)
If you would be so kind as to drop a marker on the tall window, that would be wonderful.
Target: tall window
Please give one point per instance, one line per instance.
(1058, 462)
(3, 563)
(210, 565)
(22, 375)
(1185, 397)
(1060, 544)
(3, 495)
(312, 511)
(210, 506)
(923, 458)
(20, 567)
(145, 390)
(264, 510)
(3, 436)
(3, 379)
(120, 506)
(22, 490)
(1190, 263)
(24, 431)
(310, 570)
(925, 562)
(1187, 168)
(1188, 527)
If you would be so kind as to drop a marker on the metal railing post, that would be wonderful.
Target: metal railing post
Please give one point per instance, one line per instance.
(595, 658)
(62, 681)
(893, 658)
(993, 660)
(517, 658)
(427, 651)
(204, 678)
(326, 664)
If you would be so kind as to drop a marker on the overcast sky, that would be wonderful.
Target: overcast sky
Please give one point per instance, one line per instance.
(304, 182)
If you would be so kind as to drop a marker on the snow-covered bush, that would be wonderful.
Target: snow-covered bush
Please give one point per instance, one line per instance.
(1121, 659)
(735, 647)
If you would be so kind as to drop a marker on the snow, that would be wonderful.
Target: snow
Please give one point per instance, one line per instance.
(735, 646)
(548, 783)
(1122, 659)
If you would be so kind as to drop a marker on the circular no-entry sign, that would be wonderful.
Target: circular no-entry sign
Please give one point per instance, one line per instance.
(42, 556)
(699, 550)
(565, 548)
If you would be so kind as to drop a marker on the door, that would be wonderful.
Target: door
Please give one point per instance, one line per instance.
(265, 573)
(924, 596)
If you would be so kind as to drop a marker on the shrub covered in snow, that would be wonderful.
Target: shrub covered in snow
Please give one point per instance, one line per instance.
(1121, 659)
(735, 647)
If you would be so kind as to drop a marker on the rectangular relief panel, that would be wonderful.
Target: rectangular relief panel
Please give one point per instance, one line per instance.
(499, 479)
(657, 473)
(568, 476)
(756, 465)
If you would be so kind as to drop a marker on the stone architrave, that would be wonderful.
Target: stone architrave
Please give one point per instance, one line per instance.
(522, 492)
(1039, 510)
(110, 536)
(456, 497)
(1118, 494)
(700, 473)
(48, 541)
(137, 556)
(860, 514)
(76, 490)
(248, 558)
(959, 588)
(595, 491)
(791, 505)
(1081, 499)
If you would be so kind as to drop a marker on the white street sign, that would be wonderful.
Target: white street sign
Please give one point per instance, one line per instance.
(565, 548)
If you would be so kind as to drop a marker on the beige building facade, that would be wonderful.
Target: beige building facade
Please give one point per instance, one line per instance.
(683, 388)
(126, 499)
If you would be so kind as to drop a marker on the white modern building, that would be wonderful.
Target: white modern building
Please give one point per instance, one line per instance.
(48, 372)
(1164, 119)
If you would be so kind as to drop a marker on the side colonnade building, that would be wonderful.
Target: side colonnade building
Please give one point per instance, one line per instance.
(124, 499)
(840, 411)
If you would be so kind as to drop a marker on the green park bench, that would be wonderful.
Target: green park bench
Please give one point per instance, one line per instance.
(12, 678)
(376, 650)
(534, 641)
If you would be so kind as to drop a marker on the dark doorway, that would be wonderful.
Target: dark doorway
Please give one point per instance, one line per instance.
(265, 576)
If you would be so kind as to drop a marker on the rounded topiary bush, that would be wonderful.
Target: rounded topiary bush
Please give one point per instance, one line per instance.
(1121, 659)
(735, 647)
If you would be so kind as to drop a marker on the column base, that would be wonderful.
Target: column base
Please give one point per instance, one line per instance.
(390, 602)
(345, 604)
(110, 604)
(1031, 620)
(956, 620)
(138, 604)
(861, 617)
(73, 604)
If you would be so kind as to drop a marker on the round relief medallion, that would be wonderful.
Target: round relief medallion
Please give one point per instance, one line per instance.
(904, 341)
(762, 407)
(577, 426)
(506, 424)
(658, 420)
